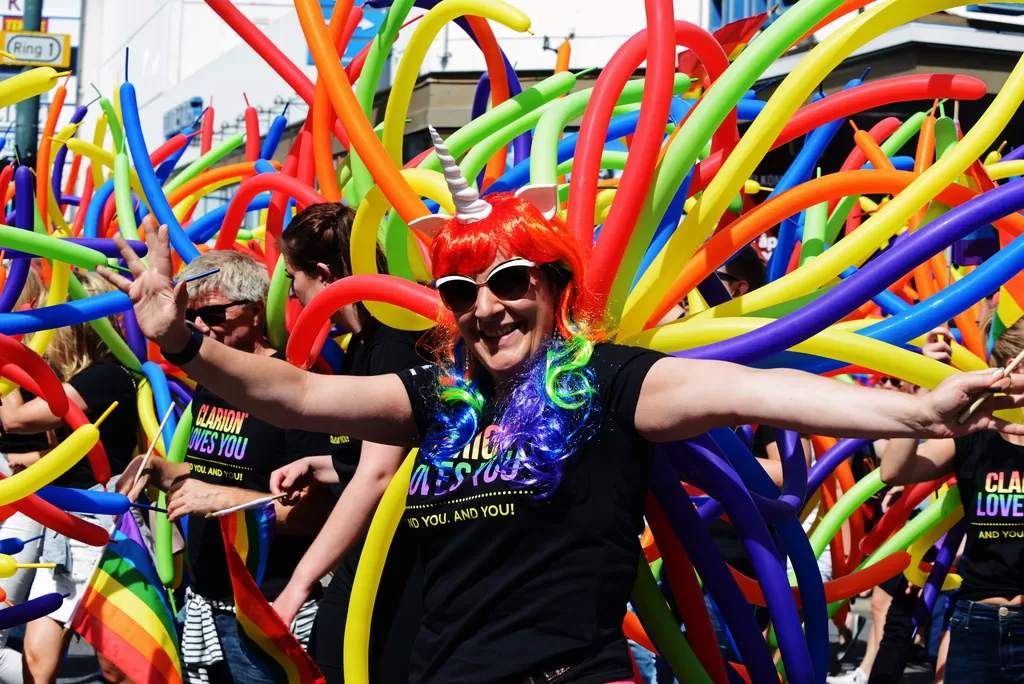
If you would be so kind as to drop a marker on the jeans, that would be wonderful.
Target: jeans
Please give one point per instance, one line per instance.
(986, 644)
(236, 666)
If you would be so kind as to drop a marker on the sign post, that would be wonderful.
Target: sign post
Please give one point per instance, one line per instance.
(34, 48)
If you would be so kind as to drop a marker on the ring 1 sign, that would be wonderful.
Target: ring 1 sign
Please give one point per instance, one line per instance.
(32, 48)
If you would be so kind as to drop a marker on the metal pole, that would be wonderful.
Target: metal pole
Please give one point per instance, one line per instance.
(27, 111)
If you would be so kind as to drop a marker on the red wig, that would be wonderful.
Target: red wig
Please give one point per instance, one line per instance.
(515, 228)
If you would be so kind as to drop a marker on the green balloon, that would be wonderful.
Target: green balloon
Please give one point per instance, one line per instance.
(204, 162)
(815, 224)
(123, 197)
(366, 87)
(277, 299)
(662, 628)
(51, 247)
(105, 329)
(162, 534)
(610, 159)
(113, 122)
(945, 136)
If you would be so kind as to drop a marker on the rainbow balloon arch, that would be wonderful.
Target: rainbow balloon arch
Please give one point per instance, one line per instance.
(680, 210)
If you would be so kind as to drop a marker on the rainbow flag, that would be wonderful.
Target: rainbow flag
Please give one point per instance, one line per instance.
(126, 614)
(1008, 306)
(267, 641)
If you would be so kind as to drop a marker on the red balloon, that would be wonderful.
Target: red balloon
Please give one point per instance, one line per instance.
(302, 345)
(291, 187)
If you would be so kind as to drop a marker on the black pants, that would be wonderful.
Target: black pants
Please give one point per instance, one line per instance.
(898, 635)
(397, 614)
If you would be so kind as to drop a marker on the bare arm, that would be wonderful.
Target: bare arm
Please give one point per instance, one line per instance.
(905, 462)
(682, 398)
(347, 524)
(31, 417)
(374, 409)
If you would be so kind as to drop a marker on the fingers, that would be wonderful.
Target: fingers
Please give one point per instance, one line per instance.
(160, 252)
(131, 259)
(115, 279)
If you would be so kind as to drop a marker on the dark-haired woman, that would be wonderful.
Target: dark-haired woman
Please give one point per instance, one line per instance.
(536, 439)
(316, 252)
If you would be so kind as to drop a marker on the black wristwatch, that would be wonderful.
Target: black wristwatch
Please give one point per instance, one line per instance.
(191, 350)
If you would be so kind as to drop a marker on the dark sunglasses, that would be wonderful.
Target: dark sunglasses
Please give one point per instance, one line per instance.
(508, 282)
(212, 315)
(895, 382)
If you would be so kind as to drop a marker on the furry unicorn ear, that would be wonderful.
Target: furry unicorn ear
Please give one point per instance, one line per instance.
(544, 198)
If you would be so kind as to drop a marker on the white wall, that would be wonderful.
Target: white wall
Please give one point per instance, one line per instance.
(182, 49)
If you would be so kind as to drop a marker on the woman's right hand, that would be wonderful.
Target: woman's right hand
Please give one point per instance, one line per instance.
(290, 480)
(159, 304)
(937, 345)
(289, 602)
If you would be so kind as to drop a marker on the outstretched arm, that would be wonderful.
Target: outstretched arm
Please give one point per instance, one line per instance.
(682, 398)
(374, 409)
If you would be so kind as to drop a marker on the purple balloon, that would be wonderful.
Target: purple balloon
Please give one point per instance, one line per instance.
(30, 610)
(771, 574)
(1015, 153)
(875, 277)
(57, 175)
(940, 568)
(24, 182)
(133, 335)
(706, 559)
(821, 469)
(105, 246)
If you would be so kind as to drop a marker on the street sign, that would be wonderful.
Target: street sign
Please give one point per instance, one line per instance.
(34, 48)
(18, 24)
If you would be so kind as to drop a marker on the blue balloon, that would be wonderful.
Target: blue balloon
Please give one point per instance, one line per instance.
(162, 399)
(273, 137)
(33, 609)
(151, 184)
(85, 500)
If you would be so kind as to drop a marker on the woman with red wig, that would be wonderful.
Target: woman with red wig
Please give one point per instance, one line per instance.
(536, 436)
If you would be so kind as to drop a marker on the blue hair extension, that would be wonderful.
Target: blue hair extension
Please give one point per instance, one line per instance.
(550, 414)
(457, 421)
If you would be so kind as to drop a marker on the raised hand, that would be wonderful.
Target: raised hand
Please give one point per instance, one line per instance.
(937, 345)
(953, 395)
(159, 304)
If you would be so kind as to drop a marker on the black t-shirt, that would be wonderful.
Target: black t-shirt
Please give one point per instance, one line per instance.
(231, 448)
(100, 385)
(11, 443)
(988, 472)
(383, 350)
(514, 585)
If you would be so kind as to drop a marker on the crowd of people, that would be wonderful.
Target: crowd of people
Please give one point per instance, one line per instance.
(536, 438)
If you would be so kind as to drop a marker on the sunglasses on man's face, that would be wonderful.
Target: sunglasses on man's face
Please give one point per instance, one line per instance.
(895, 382)
(508, 282)
(212, 315)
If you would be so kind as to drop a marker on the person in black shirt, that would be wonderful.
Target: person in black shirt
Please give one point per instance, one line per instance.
(93, 380)
(537, 438)
(316, 252)
(229, 458)
(989, 613)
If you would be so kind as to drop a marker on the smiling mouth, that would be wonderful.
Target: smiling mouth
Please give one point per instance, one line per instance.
(500, 332)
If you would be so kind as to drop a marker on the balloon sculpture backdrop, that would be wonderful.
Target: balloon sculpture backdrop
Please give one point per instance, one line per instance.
(681, 208)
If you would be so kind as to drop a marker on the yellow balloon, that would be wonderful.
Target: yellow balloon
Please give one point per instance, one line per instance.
(182, 207)
(371, 211)
(830, 343)
(101, 156)
(1005, 169)
(765, 129)
(409, 68)
(54, 464)
(27, 84)
(98, 134)
(371, 564)
(147, 416)
(913, 572)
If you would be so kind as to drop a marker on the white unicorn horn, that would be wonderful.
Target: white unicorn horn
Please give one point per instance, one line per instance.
(468, 205)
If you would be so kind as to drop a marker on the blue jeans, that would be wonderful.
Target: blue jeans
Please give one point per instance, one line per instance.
(986, 644)
(236, 666)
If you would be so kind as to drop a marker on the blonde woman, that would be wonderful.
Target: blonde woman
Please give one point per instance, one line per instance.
(93, 379)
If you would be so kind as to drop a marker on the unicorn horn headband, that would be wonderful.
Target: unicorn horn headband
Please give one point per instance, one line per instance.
(469, 206)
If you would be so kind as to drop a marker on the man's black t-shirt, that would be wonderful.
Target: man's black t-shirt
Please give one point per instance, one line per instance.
(988, 472)
(231, 448)
(100, 385)
(516, 586)
(381, 351)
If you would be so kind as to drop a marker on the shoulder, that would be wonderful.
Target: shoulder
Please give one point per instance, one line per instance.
(616, 362)
(391, 350)
(108, 373)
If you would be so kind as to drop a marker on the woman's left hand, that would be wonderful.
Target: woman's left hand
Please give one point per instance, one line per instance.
(954, 395)
(189, 496)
